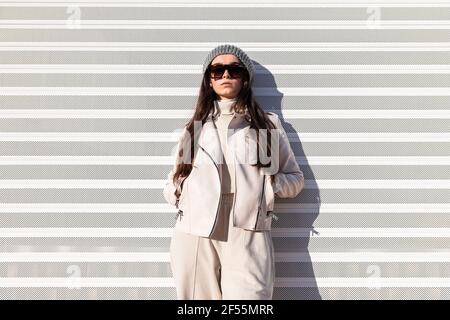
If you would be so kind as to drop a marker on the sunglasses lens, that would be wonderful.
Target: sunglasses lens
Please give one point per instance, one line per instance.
(235, 71)
(217, 72)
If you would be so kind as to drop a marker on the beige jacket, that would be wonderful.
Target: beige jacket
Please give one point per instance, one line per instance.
(200, 193)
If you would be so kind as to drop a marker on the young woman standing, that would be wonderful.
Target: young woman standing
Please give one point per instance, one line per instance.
(232, 159)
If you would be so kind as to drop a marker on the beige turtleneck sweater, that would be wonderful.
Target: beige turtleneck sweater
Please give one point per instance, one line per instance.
(227, 120)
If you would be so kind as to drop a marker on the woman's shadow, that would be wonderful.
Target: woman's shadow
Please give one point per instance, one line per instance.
(297, 246)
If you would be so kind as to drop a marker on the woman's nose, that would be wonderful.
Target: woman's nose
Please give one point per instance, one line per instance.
(226, 73)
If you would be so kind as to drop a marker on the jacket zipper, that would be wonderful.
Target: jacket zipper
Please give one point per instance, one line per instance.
(220, 193)
(179, 214)
(260, 201)
(235, 193)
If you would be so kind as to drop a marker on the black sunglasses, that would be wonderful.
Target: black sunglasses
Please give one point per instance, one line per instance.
(236, 70)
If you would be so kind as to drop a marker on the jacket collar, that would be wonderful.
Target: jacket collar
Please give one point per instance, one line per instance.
(209, 137)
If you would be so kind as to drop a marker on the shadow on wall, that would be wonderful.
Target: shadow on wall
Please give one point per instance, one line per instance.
(304, 268)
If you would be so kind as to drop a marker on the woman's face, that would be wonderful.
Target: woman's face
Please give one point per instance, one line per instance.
(226, 87)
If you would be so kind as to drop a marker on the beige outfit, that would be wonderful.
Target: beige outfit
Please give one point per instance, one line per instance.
(233, 263)
(240, 267)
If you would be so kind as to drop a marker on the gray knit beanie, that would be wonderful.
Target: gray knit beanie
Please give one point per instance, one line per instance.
(231, 49)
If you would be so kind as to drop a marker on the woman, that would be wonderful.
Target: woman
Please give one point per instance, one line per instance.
(232, 159)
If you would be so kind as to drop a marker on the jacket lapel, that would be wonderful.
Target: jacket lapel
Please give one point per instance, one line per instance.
(210, 141)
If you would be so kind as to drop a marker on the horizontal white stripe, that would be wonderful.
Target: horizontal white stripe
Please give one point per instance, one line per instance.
(160, 183)
(172, 137)
(367, 136)
(379, 256)
(369, 282)
(197, 69)
(83, 282)
(353, 69)
(426, 208)
(161, 282)
(276, 232)
(205, 47)
(377, 184)
(193, 91)
(169, 160)
(84, 257)
(226, 24)
(86, 232)
(229, 3)
(183, 114)
(362, 232)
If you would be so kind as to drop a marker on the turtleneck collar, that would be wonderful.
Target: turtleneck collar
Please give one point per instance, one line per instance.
(225, 105)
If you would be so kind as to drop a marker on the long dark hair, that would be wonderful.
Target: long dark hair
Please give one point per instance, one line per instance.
(245, 103)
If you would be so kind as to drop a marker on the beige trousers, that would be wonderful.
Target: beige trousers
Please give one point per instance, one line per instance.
(233, 263)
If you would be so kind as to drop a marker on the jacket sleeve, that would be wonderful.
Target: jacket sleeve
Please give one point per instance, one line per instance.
(172, 191)
(289, 179)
